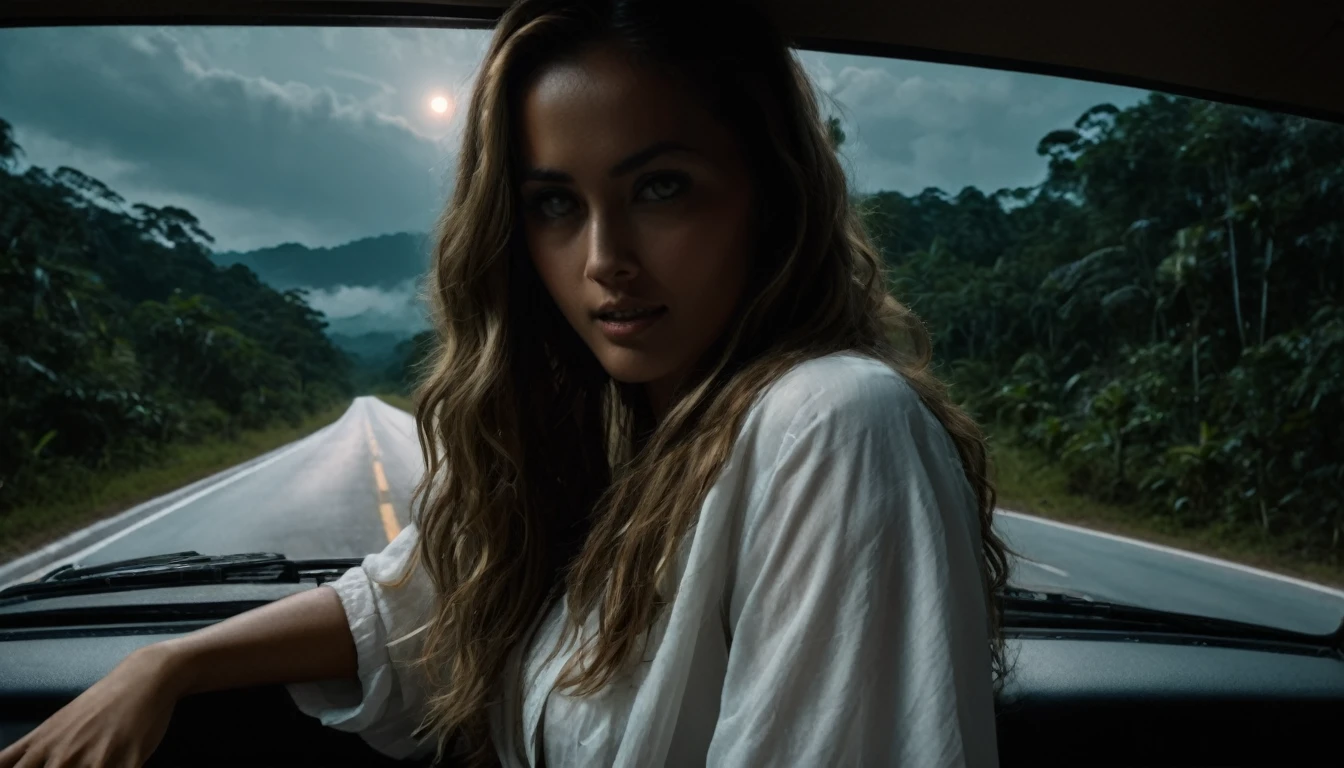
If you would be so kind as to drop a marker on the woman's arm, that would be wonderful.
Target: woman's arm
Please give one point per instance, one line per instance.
(334, 645)
(121, 719)
(859, 627)
(300, 638)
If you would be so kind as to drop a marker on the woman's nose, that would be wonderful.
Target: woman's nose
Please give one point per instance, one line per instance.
(611, 255)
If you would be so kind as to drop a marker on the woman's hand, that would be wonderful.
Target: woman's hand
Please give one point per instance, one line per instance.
(119, 721)
(116, 723)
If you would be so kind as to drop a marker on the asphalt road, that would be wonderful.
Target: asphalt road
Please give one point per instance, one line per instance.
(320, 497)
(346, 490)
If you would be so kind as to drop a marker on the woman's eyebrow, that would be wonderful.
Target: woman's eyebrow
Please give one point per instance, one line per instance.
(645, 155)
(548, 174)
(631, 163)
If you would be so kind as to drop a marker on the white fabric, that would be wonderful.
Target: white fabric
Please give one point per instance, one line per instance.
(828, 610)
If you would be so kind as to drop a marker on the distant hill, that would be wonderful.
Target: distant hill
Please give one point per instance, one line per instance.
(121, 338)
(377, 349)
(385, 261)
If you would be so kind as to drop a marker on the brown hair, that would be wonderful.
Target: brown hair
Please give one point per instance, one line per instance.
(545, 478)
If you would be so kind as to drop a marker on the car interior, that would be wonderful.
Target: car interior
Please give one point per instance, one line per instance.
(1091, 683)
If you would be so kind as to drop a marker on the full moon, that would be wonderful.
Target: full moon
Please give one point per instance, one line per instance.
(439, 104)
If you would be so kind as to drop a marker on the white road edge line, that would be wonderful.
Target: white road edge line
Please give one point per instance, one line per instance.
(1044, 567)
(1173, 551)
(85, 552)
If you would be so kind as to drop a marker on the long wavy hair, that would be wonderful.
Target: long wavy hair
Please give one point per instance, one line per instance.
(547, 480)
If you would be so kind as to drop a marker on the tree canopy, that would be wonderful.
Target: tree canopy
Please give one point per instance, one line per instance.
(1163, 314)
(119, 335)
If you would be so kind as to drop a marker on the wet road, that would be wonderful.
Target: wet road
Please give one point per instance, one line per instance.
(1105, 567)
(341, 492)
(346, 490)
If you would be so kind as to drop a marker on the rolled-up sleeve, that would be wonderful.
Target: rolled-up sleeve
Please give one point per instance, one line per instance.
(857, 617)
(387, 703)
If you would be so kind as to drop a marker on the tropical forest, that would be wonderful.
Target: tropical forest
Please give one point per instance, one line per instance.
(121, 341)
(1158, 324)
(1161, 320)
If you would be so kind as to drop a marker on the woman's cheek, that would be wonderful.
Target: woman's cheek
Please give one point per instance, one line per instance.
(683, 250)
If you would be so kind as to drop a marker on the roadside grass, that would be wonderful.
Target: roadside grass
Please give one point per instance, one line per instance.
(398, 401)
(1029, 483)
(101, 494)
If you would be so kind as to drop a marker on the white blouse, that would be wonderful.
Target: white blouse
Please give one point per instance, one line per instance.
(829, 610)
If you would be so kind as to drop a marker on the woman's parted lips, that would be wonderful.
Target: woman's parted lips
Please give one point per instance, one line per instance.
(626, 309)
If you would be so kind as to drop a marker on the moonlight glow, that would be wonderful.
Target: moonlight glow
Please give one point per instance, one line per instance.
(439, 104)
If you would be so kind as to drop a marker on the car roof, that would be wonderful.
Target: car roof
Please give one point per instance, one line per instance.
(1281, 54)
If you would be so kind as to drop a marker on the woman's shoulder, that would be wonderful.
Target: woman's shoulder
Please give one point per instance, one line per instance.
(846, 432)
(848, 389)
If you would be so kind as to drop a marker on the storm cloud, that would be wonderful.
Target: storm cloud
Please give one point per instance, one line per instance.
(138, 107)
(911, 125)
(322, 136)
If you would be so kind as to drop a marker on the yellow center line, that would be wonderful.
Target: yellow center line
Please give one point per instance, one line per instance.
(385, 511)
(390, 525)
(373, 444)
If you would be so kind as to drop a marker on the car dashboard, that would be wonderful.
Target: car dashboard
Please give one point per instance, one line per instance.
(1072, 697)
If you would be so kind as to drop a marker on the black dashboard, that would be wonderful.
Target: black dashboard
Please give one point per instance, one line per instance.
(1162, 701)
(1074, 698)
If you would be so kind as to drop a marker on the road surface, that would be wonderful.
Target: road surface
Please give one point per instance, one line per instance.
(346, 490)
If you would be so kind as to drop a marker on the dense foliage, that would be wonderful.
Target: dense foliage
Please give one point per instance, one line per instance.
(119, 336)
(1163, 315)
(411, 363)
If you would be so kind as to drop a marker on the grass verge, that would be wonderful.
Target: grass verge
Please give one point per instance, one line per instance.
(399, 401)
(24, 528)
(1030, 483)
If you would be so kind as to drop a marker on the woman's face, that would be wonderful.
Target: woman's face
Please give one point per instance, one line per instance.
(637, 212)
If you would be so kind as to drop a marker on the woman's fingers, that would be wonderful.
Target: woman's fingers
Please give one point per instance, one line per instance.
(9, 756)
(37, 750)
(116, 723)
(26, 754)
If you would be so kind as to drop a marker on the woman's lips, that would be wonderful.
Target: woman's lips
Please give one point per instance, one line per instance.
(625, 326)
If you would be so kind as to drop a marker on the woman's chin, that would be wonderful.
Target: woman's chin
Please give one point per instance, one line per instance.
(630, 366)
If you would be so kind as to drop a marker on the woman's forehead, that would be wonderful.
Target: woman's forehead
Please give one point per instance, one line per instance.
(601, 105)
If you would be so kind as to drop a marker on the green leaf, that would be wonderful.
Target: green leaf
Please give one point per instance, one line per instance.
(47, 438)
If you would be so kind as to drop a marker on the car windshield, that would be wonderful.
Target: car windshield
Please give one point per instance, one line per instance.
(213, 243)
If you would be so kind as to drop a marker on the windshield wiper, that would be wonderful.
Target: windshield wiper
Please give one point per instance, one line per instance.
(1035, 611)
(177, 569)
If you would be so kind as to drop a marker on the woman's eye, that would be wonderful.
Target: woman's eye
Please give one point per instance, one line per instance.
(664, 187)
(553, 205)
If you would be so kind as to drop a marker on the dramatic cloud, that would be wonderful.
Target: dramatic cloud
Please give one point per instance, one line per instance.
(136, 106)
(912, 125)
(322, 136)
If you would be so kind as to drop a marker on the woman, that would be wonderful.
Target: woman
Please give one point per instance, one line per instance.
(692, 494)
